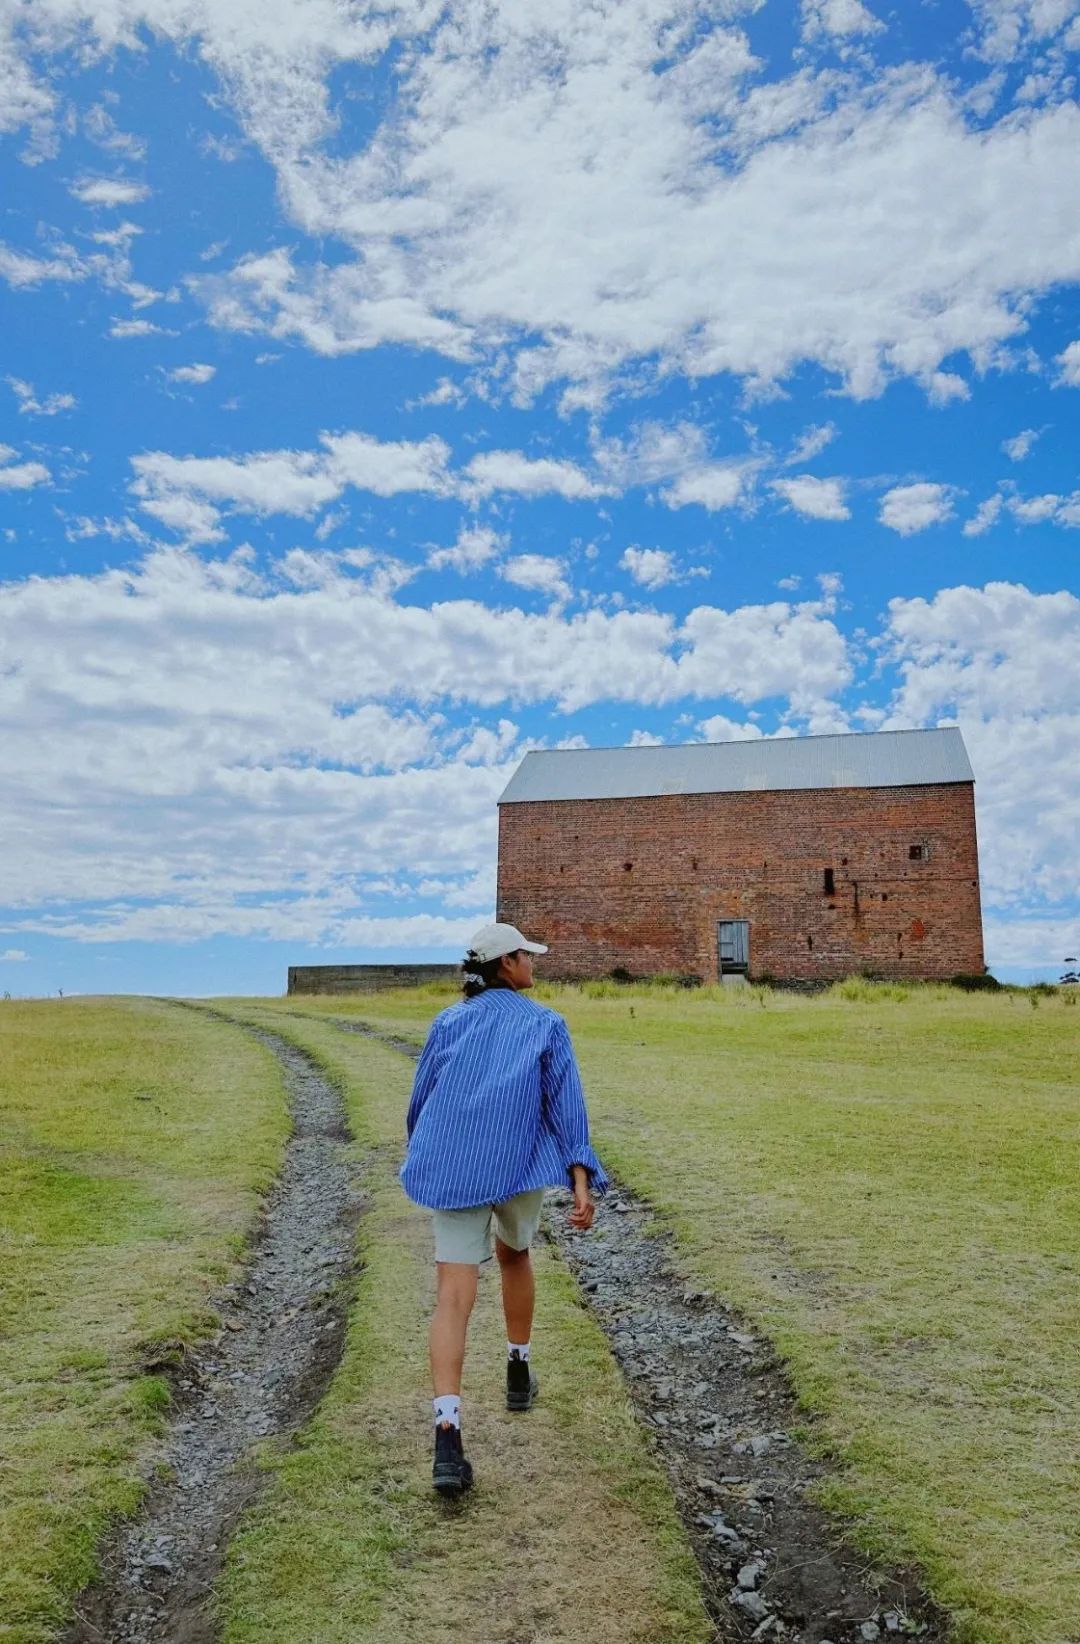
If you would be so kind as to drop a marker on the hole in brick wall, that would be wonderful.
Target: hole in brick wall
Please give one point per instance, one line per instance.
(829, 887)
(810, 943)
(562, 868)
(915, 853)
(627, 866)
(843, 861)
(884, 896)
(693, 863)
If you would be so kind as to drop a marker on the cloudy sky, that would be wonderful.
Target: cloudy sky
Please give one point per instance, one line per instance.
(389, 389)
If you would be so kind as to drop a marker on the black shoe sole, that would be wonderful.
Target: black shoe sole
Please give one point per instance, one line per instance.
(451, 1479)
(522, 1399)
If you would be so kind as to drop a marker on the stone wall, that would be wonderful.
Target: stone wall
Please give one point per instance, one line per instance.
(366, 978)
(643, 883)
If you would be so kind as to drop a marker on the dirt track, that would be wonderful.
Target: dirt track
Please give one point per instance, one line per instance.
(261, 1375)
(720, 1411)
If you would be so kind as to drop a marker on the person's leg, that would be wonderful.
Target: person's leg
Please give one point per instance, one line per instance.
(518, 1291)
(516, 1222)
(455, 1296)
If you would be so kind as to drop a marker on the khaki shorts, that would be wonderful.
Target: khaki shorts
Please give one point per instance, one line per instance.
(467, 1235)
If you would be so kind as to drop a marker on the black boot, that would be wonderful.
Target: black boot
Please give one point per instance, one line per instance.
(521, 1385)
(451, 1473)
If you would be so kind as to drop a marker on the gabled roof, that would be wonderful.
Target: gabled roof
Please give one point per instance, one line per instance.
(879, 759)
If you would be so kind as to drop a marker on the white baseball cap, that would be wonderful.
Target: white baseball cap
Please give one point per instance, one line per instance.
(494, 940)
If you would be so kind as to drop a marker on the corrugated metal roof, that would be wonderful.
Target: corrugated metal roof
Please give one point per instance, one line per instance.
(879, 759)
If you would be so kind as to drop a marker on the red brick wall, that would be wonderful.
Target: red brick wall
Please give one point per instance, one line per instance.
(642, 883)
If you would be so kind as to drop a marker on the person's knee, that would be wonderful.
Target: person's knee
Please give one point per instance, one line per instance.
(508, 1256)
(456, 1289)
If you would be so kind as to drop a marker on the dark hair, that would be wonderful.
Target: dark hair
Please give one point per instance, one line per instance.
(480, 974)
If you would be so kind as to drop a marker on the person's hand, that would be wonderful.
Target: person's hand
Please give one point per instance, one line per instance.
(584, 1211)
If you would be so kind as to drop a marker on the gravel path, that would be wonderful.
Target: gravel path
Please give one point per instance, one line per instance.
(282, 1335)
(721, 1413)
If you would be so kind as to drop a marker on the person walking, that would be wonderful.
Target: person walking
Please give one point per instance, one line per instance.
(497, 1114)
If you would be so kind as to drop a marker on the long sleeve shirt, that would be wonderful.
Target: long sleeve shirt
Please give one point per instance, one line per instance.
(497, 1106)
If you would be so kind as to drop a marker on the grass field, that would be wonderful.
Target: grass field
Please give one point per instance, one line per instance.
(888, 1181)
(135, 1142)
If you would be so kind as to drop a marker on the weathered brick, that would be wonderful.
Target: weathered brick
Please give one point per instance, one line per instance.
(643, 883)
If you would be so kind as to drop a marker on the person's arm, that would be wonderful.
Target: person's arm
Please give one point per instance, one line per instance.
(564, 1104)
(424, 1080)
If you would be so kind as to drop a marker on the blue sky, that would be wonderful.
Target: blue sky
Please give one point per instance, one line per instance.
(387, 391)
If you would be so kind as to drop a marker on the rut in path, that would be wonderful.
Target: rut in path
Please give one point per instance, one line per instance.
(282, 1336)
(720, 1413)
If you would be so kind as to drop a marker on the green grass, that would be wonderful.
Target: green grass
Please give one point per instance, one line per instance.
(888, 1182)
(570, 1531)
(135, 1141)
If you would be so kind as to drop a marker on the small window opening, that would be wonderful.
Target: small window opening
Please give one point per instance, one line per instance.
(810, 943)
(693, 863)
(843, 861)
(884, 896)
(627, 866)
(829, 887)
(915, 853)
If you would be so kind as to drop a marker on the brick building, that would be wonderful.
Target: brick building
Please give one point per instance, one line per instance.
(800, 858)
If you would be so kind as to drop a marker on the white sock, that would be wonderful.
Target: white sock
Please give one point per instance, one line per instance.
(448, 1408)
(518, 1349)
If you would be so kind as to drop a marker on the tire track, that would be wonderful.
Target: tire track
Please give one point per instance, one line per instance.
(720, 1413)
(260, 1376)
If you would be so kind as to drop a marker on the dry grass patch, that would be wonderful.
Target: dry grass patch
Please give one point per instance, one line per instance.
(890, 1186)
(134, 1143)
(570, 1531)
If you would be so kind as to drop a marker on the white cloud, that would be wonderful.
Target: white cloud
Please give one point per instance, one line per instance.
(13, 956)
(986, 515)
(1035, 510)
(1004, 663)
(652, 567)
(910, 508)
(1009, 27)
(23, 271)
(1021, 444)
(579, 204)
(810, 444)
(838, 17)
(445, 392)
(538, 571)
(475, 546)
(187, 492)
(529, 477)
(713, 487)
(108, 191)
(192, 373)
(102, 129)
(20, 476)
(816, 498)
(124, 329)
(333, 309)
(312, 717)
(719, 728)
(1069, 361)
(945, 386)
(30, 405)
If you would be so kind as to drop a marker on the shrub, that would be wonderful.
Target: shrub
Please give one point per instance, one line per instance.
(860, 990)
(981, 981)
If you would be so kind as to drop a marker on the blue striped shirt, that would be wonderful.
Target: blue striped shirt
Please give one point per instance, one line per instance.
(497, 1106)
